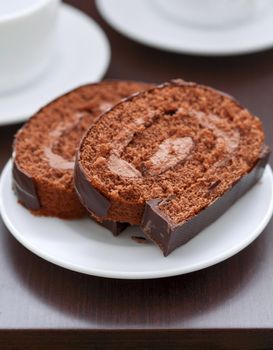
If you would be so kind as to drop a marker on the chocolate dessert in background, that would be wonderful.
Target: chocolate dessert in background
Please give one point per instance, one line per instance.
(171, 159)
(45, 147)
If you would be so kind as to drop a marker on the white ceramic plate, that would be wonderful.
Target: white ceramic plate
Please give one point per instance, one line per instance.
(84, 246)
(145, 22)
(82, 56)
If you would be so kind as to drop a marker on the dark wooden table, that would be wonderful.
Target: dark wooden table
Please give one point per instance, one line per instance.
(227, 306)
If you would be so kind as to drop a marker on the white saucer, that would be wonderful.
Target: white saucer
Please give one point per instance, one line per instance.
(82, 56)
(145, 22)
(84, 246)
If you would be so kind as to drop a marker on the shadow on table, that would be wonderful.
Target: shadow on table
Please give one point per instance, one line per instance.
(168, 301)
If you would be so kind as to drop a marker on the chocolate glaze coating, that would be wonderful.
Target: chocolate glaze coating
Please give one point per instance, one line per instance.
(90, 198)
(24, 188)
(115, 227)
(169, 236)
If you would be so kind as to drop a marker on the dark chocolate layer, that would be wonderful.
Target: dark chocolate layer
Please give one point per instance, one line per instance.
(115, 227)
(90, 198)
(24, 188)
(168, 236)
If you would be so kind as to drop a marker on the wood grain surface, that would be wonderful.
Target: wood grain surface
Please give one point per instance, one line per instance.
(227, 306)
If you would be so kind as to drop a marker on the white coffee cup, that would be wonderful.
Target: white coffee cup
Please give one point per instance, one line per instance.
(27, 40)
(211, 13)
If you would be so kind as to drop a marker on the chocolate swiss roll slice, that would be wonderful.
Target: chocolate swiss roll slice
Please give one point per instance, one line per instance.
(45, 147)
(171, 159)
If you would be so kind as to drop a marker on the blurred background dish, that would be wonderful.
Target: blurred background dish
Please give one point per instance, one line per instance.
(82, 56)
(148, 23)
(213, 13)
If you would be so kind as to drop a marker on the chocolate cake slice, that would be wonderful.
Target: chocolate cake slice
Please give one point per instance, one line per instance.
(171, 159)
(45, 147)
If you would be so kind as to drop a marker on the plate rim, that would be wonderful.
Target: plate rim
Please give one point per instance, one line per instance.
(171, 48)
(12, 119)
(223, 255)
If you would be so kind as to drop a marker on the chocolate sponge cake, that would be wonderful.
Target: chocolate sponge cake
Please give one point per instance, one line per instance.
(171, 159)
(45, 147)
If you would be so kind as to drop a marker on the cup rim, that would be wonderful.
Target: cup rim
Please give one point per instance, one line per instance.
(25, 12)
